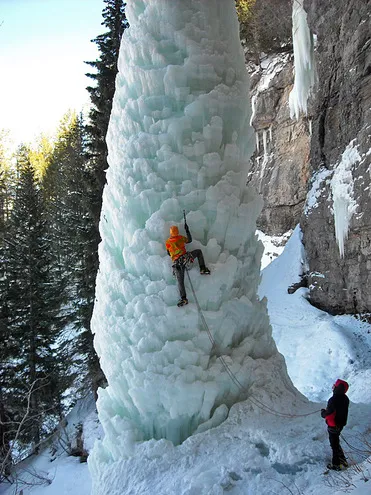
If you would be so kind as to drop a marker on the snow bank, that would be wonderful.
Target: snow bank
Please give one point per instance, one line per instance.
(305, 73)
(252, 453)
(318, 348)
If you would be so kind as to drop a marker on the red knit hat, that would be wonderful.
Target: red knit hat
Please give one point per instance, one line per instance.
(342, 382)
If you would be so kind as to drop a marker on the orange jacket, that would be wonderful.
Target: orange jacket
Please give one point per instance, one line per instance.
(176, 246)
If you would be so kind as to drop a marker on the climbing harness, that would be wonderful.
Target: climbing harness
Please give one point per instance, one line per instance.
(186, 261)
(232, 376)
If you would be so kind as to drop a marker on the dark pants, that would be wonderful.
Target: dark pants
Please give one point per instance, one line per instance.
(338, 456)
(179, 269)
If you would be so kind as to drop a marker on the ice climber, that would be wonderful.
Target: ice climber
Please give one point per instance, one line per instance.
(336, 415)
(175, 246)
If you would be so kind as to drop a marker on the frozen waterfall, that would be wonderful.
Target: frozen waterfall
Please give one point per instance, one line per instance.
(179, 138)
(305, 71)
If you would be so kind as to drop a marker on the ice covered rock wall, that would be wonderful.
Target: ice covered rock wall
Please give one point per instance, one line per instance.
(337, 225)
(179, 138)
(280, 163)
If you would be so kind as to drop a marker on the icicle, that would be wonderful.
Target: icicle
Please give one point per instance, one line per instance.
(342, 192)
(270, 133)
(305, 73)
(253, 102)
(265, 143)
(265, 160)
(257, 142)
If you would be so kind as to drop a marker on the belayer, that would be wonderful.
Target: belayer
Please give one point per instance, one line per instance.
(336, 415)
(175, 246)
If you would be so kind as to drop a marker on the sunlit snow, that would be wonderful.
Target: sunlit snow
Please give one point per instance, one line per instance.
(254, 452)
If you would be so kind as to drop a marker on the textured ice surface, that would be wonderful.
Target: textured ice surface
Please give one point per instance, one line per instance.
(344, 204)
(341, 183)
(179, 138)
(318, 184)
(305, 73)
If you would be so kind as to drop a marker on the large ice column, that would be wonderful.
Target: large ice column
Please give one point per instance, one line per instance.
(179, 138)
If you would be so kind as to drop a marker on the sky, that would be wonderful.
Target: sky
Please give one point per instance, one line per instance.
(43, 46)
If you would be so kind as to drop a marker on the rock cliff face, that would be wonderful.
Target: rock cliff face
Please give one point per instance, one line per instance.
(337, 221)
(280, 164)
(326, 153)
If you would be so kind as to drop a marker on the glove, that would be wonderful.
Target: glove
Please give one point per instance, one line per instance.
(323, 413)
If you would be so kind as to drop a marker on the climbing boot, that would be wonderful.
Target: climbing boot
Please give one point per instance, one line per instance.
(334, 467)
(205, 271)
(182, 302)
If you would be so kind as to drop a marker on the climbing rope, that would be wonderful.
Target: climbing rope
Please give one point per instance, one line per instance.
(232, 376)
(363, 452)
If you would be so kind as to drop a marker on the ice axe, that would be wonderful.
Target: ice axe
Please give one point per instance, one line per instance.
(185, 221)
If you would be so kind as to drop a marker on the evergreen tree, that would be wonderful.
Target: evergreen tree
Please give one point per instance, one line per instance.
(33, 308)
(63, 185)
(5, 434)
(6, 177)
(5, 389)
(102, 95)
(40, 156)
(66, 191)
(5, 337)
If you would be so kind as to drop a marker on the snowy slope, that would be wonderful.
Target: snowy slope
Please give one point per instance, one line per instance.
(317, 347)
(254, 452)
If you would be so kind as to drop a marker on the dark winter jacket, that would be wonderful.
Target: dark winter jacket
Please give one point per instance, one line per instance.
(336, 412)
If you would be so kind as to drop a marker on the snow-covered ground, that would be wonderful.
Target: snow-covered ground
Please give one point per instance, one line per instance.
(254, 451)
(273, 246)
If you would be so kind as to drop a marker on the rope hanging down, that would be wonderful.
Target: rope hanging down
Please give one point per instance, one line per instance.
(365, 451)
(232, 376)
